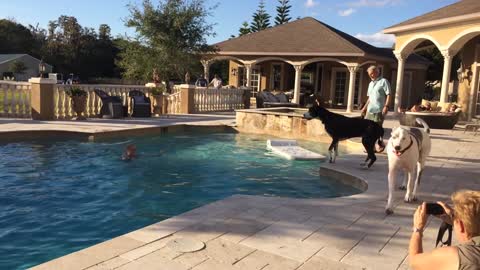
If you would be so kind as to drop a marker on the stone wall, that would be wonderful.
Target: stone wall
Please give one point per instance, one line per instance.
(285, 125)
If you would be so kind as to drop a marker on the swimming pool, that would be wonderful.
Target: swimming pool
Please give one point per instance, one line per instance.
(60, 197)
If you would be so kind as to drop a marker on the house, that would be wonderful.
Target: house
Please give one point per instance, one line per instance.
(31, 64)
(455, 31)
(309, 56)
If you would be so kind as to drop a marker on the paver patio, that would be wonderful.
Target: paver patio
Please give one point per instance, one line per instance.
(253, 232)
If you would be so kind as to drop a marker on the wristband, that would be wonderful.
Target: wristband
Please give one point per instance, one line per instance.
(417, 230)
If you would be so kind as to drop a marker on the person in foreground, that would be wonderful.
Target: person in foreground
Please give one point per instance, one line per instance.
(465, 218)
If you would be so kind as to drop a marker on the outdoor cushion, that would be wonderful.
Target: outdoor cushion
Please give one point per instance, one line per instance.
(139, 99)
(281, 97)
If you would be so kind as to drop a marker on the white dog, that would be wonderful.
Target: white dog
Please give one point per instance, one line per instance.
(407, 148)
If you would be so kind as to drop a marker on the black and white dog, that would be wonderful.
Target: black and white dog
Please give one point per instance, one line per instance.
(340, 128)
(407, 149)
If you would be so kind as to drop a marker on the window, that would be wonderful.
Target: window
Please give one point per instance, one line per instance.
(340, 85)
(357, 97)
(306, 78)
(255, 80)
(242, 76)
(277, 77)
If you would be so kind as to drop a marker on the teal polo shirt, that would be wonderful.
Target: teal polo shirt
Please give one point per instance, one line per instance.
(377, 94)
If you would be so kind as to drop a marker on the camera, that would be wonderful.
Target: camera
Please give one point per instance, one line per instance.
(434, 209)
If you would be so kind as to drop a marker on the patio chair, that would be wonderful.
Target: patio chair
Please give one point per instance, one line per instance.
(141, 105)
(112, 106)
(266, 99)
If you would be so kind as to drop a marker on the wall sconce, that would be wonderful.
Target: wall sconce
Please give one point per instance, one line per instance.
(234, 72)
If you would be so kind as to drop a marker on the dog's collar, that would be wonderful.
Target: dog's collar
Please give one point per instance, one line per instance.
(404, 150)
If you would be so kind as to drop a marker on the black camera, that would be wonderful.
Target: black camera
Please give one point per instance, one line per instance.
(435, 209)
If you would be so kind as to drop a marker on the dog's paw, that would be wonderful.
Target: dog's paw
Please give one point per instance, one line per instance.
(409, 198)
(402, 187)
(388, 211)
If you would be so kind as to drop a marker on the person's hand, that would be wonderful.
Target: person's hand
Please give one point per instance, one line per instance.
(364, 112)
(385, 110)
(420, 217)
(448, 216)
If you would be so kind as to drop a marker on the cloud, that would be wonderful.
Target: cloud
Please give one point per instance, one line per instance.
(373, 3)
(346, 12)
(378, 39)
(310, 3)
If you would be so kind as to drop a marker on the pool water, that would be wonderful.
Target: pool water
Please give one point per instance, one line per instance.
(60, 197)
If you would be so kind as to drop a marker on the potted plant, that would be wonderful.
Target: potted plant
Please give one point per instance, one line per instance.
(79, 101)
(157, 98)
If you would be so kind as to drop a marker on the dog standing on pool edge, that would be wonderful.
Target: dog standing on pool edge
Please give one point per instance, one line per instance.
(340, 128)
(407, 150)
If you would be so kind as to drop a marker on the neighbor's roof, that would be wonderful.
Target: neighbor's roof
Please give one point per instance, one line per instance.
(9, 57)
(305, 36)
(460, 11)
(5, 58)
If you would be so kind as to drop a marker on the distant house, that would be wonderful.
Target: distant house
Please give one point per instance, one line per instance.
(31, 63)
(307, 56)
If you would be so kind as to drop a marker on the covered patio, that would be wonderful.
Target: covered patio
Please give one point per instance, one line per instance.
(308, 57)
(455, 31)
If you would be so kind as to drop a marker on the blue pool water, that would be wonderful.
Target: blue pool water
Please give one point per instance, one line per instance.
(59, 197)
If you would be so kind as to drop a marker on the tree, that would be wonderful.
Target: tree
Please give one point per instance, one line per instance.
(261, 19)
(18, 67)
(15, 38)
(245, 29)
(170, 37)
(283, 12)
(104, 32)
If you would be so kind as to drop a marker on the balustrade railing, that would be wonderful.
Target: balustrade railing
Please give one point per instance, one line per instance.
(174, 102)
(15, 99)
(217, 100)
(63, 103)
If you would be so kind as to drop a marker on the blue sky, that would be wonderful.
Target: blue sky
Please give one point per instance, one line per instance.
(361, 18)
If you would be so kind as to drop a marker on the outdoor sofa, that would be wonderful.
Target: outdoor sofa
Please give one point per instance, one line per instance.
(266, 99)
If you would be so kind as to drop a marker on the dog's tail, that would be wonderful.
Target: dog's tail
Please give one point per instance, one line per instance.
(420, 121)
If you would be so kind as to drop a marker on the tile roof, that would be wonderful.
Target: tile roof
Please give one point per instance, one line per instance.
(307, 36)
(463, 7)
(9, 57)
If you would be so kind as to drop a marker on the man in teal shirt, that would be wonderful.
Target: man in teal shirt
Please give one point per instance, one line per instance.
(378, 94)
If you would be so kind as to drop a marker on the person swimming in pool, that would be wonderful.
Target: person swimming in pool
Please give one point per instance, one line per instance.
(130, 152)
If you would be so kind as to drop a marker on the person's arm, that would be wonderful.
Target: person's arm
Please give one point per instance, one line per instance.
(441, 258)
(385, 108)
(364, 109)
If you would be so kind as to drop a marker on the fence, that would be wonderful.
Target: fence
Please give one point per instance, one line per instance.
(216, 100)
(63, 103)
(15, 99)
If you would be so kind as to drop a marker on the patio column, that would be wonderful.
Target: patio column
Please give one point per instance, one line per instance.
(298, 75)
(447, 66)
(351, 87)
(206, 69)
(248, 71)
(401, 57)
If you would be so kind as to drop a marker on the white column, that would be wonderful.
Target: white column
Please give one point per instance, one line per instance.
(206, 69)
(351, 87)
(401, 58)
(447, 66)
(298, 76)
(248, 71)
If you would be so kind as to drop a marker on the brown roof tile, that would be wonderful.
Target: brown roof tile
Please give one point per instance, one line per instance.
(463, 7)
(306, 35)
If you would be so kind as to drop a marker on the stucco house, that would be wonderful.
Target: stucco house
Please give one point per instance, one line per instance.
(454, 30)
(31, 63)
(309, 56)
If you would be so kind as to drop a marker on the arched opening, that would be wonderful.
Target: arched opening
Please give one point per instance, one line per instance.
(466, 71)
(272, 74)
(226, 67)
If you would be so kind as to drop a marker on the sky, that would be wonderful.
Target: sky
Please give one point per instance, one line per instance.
(363, 19)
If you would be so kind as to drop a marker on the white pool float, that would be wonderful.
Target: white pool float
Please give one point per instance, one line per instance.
(289, 149)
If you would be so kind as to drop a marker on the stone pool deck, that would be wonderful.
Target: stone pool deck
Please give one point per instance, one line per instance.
(253, 232)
